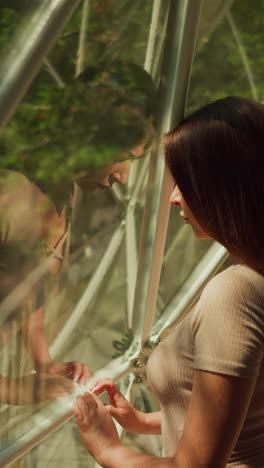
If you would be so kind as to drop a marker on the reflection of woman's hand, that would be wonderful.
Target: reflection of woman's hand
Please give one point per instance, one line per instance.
(34, 388)
(74, 370)
(120, 408)
(95, 425)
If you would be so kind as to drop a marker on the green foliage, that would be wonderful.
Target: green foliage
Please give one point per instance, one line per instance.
(123, 345)
(8, 22)
(218, 69)
(93, 119)
(89, 122)
(58, 131)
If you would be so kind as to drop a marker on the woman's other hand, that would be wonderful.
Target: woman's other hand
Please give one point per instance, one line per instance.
(74, 370)
(95, 425)
(124, 413)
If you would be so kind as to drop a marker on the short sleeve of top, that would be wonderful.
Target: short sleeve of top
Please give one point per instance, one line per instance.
(20, 230)
(229, 324)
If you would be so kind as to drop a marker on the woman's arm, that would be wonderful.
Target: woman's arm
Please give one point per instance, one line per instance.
(217, 410)
(35, 340)
(215, 417)
(101, 439)
(36, 344)
(34, 388)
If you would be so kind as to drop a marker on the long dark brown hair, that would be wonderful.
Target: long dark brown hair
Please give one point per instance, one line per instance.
(216, 156)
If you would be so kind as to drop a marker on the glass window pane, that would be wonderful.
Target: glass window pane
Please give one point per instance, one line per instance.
(72, 186)
(73, 177)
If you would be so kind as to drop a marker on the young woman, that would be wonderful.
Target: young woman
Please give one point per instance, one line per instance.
(208, 374)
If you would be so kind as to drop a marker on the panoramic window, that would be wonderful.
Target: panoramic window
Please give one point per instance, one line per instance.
(84, 285)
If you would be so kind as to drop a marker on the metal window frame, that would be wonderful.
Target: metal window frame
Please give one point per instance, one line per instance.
(28, 50)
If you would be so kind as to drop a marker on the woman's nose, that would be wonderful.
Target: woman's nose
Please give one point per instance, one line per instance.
(175, 198)
(121, 175)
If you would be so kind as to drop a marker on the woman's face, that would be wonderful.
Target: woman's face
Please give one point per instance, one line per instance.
(105, 176)
(178, 200)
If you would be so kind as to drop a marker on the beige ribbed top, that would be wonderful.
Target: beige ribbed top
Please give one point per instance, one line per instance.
(20, 230)
(223, 333)
(26, 228)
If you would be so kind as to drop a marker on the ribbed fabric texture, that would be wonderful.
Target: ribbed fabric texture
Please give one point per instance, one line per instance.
(20, 231)
(30, 229)
(223, 333)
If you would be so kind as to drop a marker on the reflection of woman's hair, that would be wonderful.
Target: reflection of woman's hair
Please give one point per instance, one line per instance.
(120, 100)
(216, 157)
(90, 122)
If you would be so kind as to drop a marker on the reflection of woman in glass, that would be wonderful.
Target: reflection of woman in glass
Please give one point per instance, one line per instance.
(208, 374)
(105, 119)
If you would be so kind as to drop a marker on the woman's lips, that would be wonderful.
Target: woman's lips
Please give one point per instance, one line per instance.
(185, 220)
(103, 187)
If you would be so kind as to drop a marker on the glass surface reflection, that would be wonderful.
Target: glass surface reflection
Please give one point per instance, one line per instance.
(64, 144)
(74, 248)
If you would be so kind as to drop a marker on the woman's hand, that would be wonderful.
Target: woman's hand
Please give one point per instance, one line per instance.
(124, 413)
(101, 439)
(74, 370)
(36, 345)
(95, 425)
(34, 388)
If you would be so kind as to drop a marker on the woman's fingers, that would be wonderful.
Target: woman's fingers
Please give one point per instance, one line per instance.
(84, 375)
(109, 386)
(95, 424)
(75, 370)
(81, 411)
(115, 412)
(79, 372)
(51, 387)
(57, 386)
(115, 396)
(101, 385)
(88, 397)
(86, 406)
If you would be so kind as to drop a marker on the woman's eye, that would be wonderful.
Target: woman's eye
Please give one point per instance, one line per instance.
(135, 158)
